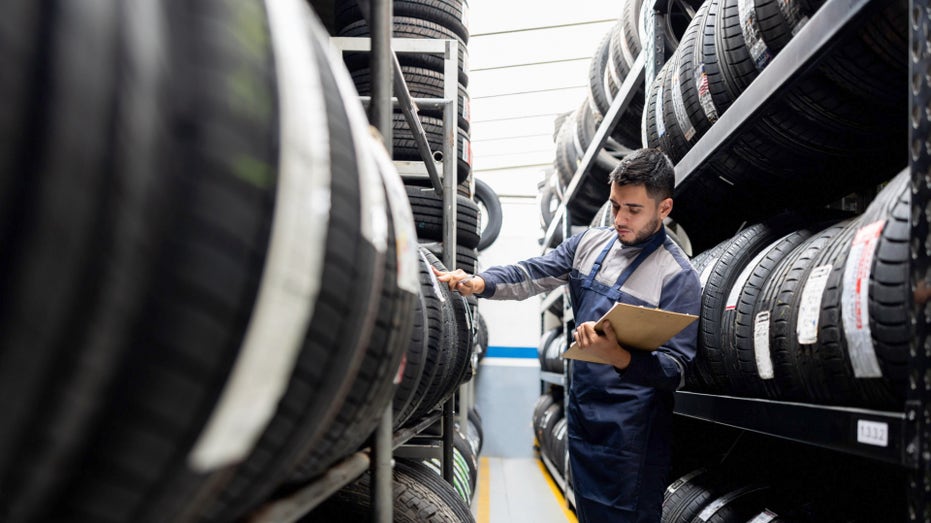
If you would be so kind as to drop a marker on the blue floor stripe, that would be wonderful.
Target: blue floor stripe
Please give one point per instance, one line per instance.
(512, 352)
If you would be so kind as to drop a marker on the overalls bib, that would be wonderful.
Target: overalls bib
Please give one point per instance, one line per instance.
(609, 419)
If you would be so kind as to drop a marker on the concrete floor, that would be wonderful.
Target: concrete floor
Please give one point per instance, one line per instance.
(513, 485)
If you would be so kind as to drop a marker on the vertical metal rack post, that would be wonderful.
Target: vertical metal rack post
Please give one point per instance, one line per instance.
(918, 405)
(380, 115)
(449, 49)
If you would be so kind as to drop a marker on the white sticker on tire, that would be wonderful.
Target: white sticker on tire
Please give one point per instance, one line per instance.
(294, 263)
(706, 272)
(764, 517)
(405, 234)
(660, 124)
(809, 310)
(764, 363)
(744, 275)
(746, 11)
(704, 93)
(678, 106)
(855, 306)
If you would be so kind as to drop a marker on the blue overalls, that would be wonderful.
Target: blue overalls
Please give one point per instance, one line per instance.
(619, 459)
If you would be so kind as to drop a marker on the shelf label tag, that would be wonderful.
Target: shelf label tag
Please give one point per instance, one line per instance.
(806, 325)
(873, 433)
(764, 365)
(855, 301)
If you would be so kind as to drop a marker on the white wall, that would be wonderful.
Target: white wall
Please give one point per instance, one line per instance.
(513, 323)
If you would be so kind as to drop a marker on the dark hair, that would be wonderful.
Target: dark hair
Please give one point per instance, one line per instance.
(648, 167)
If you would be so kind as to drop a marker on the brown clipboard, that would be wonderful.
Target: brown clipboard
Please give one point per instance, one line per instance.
(636, 327)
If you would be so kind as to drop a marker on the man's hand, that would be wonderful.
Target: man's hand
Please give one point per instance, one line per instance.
(461, 282)
(604, 345)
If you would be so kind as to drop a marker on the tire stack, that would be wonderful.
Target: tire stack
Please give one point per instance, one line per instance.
(549, 427)
(835, 131)
(610, 66)
(552, 345)
(757, 481)
(810, 308)
(423, 73)
(195, 219)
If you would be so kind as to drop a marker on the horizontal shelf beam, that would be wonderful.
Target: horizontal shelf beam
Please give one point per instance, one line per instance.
(553, 377)
(878, 435)
(303, 500)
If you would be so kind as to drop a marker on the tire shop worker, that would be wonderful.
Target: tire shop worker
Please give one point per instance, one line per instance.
(620, 416)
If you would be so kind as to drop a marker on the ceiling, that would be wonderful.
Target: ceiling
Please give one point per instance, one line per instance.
(528, 63)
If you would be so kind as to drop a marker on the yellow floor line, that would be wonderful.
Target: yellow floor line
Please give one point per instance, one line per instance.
(563, 504)
(483, 510)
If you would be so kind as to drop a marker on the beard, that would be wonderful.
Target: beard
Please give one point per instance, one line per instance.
(646, 232)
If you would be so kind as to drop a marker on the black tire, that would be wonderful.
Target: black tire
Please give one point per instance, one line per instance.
(405, 398)
(465, 468)
(344, 314)
(559, 444)
(391, 337)
(25, 87)
(490, 208)
(709, 82)
(686, 497)
(148, 255)
(475, 422)
(461, 364)
(717, 293)
(693, 119)
(596, 74)
(428, 209)
(700, 376)
(408, 27)
(737, 324)
(418, 498)
(421, 82)
(466, 258)
(405, 148)
(433, 344)
(736, 64)
(544, 402)
(735, 506)
(780, 298)
(544, 344)
(549, 199)
(423, 475)
(455, 347)
(829, 372)
(447, 13)
(888, 294)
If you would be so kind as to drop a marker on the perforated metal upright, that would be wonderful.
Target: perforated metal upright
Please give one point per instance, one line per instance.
(918, 404)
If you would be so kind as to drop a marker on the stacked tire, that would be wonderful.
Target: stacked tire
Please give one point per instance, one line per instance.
(198, 217)
(549, 427)
(836, 130)
(812, 311)
(423, 73)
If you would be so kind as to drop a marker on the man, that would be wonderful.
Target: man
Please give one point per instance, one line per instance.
(619, 415)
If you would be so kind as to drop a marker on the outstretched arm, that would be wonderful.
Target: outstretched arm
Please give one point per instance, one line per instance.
(460, 281)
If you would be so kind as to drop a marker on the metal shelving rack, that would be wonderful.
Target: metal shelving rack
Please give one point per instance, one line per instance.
(893, 437)
(412, 441)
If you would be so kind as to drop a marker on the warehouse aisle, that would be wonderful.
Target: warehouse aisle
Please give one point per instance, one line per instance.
(518, 490)
(513, 485)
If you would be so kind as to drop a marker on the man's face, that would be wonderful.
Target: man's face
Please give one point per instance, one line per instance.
(636, 215)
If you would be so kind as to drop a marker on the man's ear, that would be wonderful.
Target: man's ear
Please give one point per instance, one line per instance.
(665, 207)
